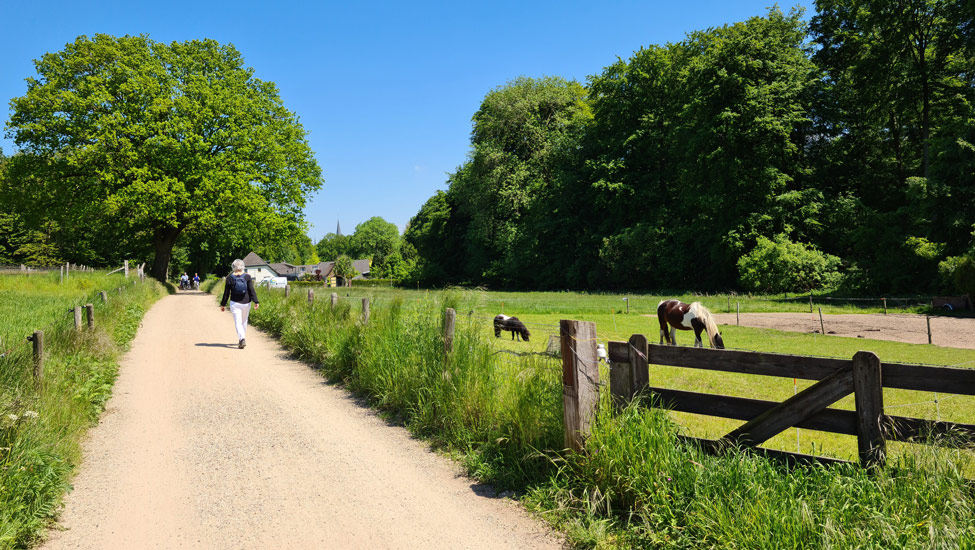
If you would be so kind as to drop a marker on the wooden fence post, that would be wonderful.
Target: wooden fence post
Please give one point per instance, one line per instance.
(287, 290)
(885, 305)
(38, 340)
(620, 375)
(737, 313)
(640, 371)
(104, 296)
(810, 303)
(126, 266)
(311, 295)
(822, 326)
(928, 318)
(869, 396)
(580, 379)
(449, 320)
(365, 311)
(77, 317)
(335, 300)
(90, 315)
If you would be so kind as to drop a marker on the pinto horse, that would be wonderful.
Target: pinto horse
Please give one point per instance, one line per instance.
(686, 317)
(511, 324)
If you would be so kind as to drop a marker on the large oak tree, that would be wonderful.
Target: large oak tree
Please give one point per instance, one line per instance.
(130, 137)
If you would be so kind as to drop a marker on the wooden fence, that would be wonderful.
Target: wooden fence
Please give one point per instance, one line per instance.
(863, 375)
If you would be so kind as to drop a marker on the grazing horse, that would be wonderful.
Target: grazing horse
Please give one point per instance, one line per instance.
(512, 324)
(686, 317)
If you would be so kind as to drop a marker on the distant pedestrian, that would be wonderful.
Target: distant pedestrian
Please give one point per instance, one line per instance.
(239, 287)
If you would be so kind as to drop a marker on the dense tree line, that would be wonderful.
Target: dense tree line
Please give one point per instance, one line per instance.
(377, 239)
(767, 155)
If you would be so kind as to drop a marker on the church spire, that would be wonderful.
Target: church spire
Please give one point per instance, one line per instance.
(338, 228)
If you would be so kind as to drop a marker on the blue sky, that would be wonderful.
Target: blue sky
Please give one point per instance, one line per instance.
(386, 90)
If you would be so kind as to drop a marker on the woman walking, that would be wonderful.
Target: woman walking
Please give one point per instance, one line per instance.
(239, 287)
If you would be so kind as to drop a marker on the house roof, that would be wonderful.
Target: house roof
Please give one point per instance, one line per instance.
(363, 267)
(282, 268)
(252, 259)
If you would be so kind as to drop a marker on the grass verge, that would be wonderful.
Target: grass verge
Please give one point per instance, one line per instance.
(635, 484)
(41, 424)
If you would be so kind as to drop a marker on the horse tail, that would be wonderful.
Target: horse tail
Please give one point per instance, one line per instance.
(711, 327)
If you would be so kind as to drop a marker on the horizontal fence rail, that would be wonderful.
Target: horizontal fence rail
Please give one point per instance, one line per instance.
(864, 376)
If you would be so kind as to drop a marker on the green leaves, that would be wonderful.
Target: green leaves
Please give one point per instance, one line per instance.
(162, 138)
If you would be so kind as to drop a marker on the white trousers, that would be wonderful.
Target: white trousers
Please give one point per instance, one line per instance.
(240, 313)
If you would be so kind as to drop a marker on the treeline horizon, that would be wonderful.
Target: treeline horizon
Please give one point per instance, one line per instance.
(766, 155)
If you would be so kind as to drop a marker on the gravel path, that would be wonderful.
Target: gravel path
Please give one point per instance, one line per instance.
(207, 446)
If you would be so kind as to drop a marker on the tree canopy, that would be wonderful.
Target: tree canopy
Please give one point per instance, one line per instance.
(837, 154)
(127, 144)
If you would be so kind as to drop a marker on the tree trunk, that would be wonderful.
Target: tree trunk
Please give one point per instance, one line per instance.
(163, 241)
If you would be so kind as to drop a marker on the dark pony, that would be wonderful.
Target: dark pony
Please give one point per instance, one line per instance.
(687, 317)
(511, 324)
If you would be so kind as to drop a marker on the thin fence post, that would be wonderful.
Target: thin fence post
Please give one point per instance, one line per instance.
(885, 305)
(580, 379)
(365, 311)
(61, 279)
(38, 340)
(810, 303)
(335, 300)
(90, 315)
(738, 313)
(928, 318)
(104, 296)
(67, 268)
(77, 317)
(126, 266)
(822, 326)
(449, 320)
(287, 290)
(311, 295)
(869, 397)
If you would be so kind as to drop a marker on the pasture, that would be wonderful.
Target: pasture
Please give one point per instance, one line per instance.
(496, 403)
(541, 312)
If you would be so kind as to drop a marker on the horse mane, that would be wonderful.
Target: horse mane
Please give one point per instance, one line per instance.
(702, 313)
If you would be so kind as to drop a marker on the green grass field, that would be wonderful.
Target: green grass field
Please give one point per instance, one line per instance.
(542, 311)
(41, 423)
(496, 404)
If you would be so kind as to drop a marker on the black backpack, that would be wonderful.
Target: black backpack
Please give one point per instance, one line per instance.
(240, 284)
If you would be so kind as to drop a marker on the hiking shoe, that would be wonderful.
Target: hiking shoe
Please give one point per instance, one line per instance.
(241, 344)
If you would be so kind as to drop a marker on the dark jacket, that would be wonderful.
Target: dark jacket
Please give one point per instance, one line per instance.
(248, 297)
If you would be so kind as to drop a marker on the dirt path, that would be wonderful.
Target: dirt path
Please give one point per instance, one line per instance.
(945, 331)
(207, 446)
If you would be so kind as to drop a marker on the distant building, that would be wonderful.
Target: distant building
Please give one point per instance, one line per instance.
(259, 270)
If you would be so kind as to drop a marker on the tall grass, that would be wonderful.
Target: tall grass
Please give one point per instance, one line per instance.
(41, 425)
(635, 484)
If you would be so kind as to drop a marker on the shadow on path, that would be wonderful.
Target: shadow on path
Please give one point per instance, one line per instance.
(208, 345)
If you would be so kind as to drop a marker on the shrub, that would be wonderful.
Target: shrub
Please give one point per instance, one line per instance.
(958, 272)
(784, 266)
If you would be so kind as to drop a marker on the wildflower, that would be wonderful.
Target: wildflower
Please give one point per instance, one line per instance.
(30, 414)
(12, 417)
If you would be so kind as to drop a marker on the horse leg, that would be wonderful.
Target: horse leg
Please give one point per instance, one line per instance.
(698, 343)
(673, 336)
(663, 335)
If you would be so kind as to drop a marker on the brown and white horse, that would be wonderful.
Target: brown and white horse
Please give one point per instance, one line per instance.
(683, 316)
